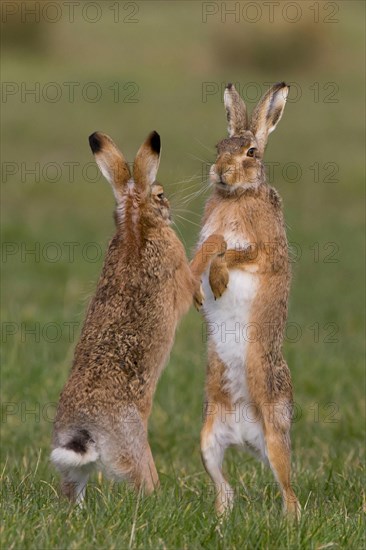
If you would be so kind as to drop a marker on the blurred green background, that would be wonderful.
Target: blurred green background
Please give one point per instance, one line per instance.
(126, 68)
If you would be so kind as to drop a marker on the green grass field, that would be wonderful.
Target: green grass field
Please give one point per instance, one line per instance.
(170, 66)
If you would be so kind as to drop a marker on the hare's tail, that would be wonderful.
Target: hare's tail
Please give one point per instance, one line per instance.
(78, 450)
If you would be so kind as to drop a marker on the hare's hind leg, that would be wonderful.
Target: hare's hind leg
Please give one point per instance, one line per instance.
(277, 437)
(144, 474)
(126, 453)
(212, 451)
(214, 434)
(135, 468)
(150, 476)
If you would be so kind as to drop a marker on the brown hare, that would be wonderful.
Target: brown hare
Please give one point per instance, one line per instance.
(145, 287)
(248, 387)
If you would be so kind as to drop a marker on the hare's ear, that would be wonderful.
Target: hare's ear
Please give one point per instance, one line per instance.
(268, 113)
(111, 162)
(236, 111)
(146, 163)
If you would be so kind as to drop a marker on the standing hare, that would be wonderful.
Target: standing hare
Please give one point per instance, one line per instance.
(248, 389)
(145, 287)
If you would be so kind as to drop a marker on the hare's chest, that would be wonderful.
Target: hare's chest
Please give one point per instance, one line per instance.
(228, 317)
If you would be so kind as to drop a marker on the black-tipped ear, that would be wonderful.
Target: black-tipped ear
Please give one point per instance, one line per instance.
(236, 111)
(95, 142)
(111, 162)
(268, 113)
(155, 142)
(146, 163)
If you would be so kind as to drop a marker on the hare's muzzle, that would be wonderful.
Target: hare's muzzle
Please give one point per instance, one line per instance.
(221, 172)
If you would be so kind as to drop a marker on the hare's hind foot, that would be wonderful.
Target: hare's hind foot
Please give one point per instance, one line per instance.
(145, 475)
(291, 506)
(224, 499)
(73, 485)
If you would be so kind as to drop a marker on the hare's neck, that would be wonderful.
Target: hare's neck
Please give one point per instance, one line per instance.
(251, 189)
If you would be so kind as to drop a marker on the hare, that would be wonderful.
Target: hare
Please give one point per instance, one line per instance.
(145, 287)
(248, 387)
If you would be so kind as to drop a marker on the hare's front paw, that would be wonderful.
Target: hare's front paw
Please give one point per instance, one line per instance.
(198, 298)
(219, 277)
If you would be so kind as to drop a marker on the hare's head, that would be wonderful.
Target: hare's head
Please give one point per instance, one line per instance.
(239, 159)
(141, 190)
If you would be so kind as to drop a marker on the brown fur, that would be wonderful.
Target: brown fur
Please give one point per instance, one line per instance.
(243, 204)
(145, 287)
(236, 112)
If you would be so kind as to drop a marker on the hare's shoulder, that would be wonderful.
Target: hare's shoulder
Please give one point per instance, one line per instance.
(168, 246)
(253, 196)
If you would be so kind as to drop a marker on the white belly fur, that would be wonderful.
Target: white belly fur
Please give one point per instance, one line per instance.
(228, 319)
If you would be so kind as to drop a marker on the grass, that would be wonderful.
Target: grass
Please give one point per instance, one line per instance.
(170, 54)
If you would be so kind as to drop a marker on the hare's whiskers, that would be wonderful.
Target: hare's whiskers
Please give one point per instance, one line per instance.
(183, 189)
(205, 146)
(187, 211)
(188, 180)
(180, 233)
(187, 220)
(195, 195)
(205, 161)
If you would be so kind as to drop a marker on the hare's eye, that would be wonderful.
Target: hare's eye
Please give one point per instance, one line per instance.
(251, 152)
(160, 196)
